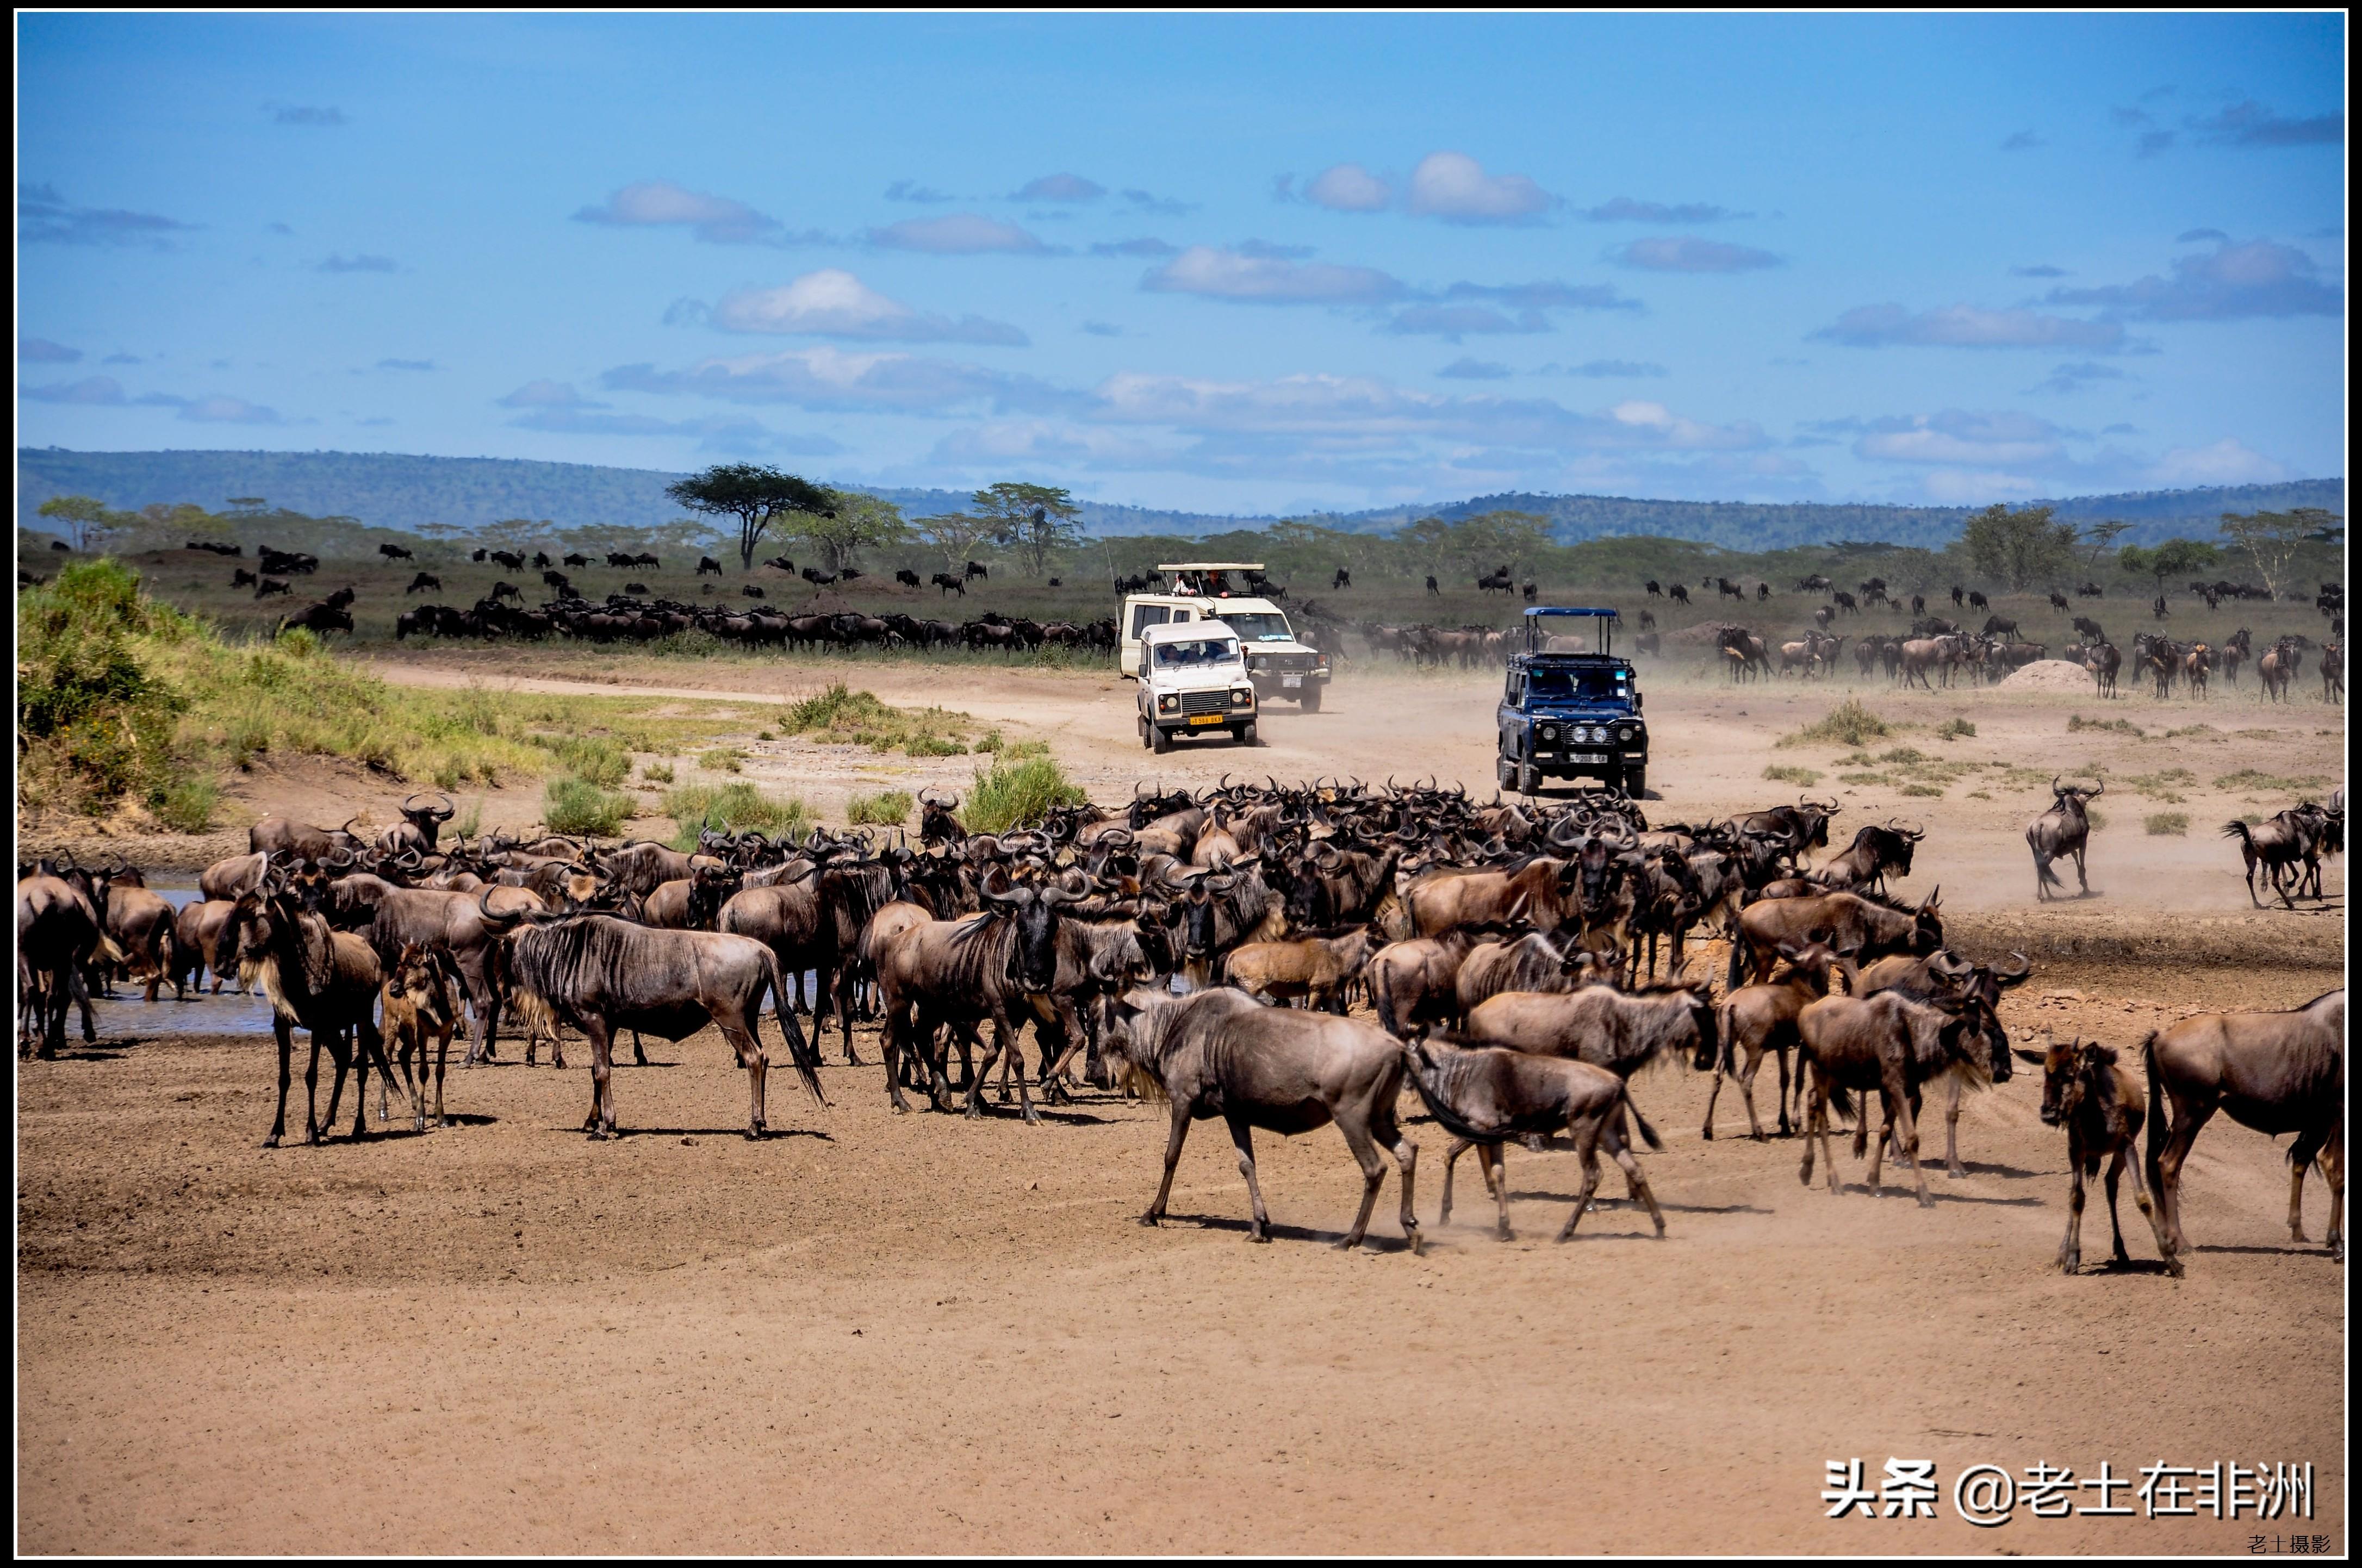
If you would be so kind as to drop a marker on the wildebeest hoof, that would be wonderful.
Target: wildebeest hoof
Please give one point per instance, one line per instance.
(899, 1109)
(1503, 1234)
(1150, 1219)
(271, 1141)
(1706, 1133)
(1926, 1203)
(1955, 1176)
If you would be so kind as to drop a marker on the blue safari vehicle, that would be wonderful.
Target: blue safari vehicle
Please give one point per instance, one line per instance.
(1571, 709)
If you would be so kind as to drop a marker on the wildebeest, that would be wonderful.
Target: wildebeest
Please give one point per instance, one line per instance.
(1761, 1019)
(1487, 1095)
(976, 568)
(395, 553)
(1315, 967)
(571, 558)
(59, 933)
(1977, 600)
(419, 1001)
(1343, 579)
(1433, 586)
(2276, 1072)
(1678, 593)
(1947, 980)
(707, 565)
(270, 585)
(907, 577)
(934, 974)
(2062, 831)
(2088, 1092)
(1858, 926)
(420, 826)
(241, 577)
(1888, 1042)
(317, 619)
(1218, 1052)
(423, 581)
(318, 979)
(1877, 850)
(600, 974)
(949, 582)
(749, 590)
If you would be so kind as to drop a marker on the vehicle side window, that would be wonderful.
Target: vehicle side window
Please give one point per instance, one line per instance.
(1146, 615)
(1516, 689)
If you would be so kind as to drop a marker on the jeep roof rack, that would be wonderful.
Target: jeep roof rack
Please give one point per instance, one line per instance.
(1538, 634)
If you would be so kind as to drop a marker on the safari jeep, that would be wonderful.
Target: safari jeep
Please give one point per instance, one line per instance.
(1192, 682)
(1278, 664)
(1570, 711)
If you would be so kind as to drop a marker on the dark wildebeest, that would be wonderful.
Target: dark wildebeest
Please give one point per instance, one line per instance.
(1344, 578)
(1977, 600)
(395, 553)
(571, 558)
(601, 974)
(2276, 1072)
(1218, 1052)
(1947, 980)
(270, 585)
(1656, 590)
(707, 564)
(58, 933)
(419, 827)
(2062, 831)
(423, 581)
(976, 568)
(907, 577)
(949, 582)
(1875, 852)
(1888, 1042)
(1860, 927)
(198, 944)
(2004, 625)
(958, 972)
(749, 590)
(1678, 593)
(319, 618)
(242, 577)
(2087, 1091)
(1433, 586)
(2281, 846)
(318, 979)
(1486, 1094)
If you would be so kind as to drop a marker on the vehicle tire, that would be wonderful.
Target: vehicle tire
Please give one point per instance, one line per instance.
(1146, 744)
(1505, 773)
(1530, 780)
(1160, 740)
(1636, 783)
(1243, 734)
(1310, 702)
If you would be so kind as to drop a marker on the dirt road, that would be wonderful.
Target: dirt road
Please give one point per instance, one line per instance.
(930, 1334)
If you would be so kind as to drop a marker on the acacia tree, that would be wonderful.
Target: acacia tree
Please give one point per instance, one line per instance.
(1034, 519)
(753, 493)
(2100, 536)
(2270, 538)
(2019, 547)
(89, 522)
(853, 521)
(956, 534)
(2175, 557)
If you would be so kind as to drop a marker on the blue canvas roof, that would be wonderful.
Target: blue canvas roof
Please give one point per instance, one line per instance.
(1565, 610)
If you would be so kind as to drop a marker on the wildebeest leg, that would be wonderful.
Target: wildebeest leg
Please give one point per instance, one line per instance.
(2083, 878)
(892, 1040)
(1001, 1043)
(81, 994)
(1458, 1147)
(1497, 1155)
(2115, 1221)
(1364, 1150)
(311, 1094)
(1888, 1109)
(1586, 1143)
(746, 1039)
(1909, 1145)
(1620, 1150)
(1242, 1137)
(1953, 1095)
(442, 1056)
(286, 1050)
(2332, 1161)
(2071, 1245)
(1173, 1139)
(846, 987)
(639, 1052)
(2165, 1172)
(601, 1122)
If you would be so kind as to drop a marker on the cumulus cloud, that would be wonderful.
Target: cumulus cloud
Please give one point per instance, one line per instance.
(1243, 278)
(302, 115)
(744, 437)
(2228, 461)
(1348, 188)
(1145, 246)
(406, 364)
(832, 303)
(91, 390)
(1624, 209)
(341, 263)
(827, 378)
(1454, 187)
(1472, 369)
(715, 220)
(1452, 312)
(2075, 377)
(45, 217)
(2250, 123)
(911, 191)
(957, 234)
(546, 394)
(1059, 188)
(1686, 253)
(1960, 436)
(41, 351)
(1451, 321)
(2229, 282)
(1967, 326)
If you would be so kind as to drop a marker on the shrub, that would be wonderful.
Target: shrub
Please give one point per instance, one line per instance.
(2122, 727)
(1955, 729)
(1013, 794)
(1779, 775)
(2248, 778)
(1848, 724)
(658, 772)
(1861, 777)
(593, 757)
(888, 808)
(721, 759)
(1930, 790)
(187, 805)
(571, 805)
(2166, 824)
(733, 807)
(847, 717)
(1902, 754)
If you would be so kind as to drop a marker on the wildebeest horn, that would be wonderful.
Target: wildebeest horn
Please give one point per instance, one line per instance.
(348, 828)
(2009, 977)
(2055, 790)
(449, 810)
(2098, 788)
(406, 800)
(338, 859)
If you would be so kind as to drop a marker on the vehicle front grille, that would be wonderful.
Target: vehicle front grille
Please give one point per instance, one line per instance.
(1205, 701)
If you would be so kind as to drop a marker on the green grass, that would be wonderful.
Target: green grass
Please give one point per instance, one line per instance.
(2097, 819)
(657, 772)
(1015, 794)
(1861, 779)
(2076, 721)
(571, 805)
(732, 808)
(888, 808)
(845, 717)
(2165, 824)
(2165, 785)
(2268, 783)
(1778, 774)
(595, 759)
(1955, 729)
(1848, 724)
(1931, 790)
(1902, 754)
(722, 759)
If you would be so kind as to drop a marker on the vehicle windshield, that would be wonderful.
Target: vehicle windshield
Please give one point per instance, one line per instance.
(1199, 654)
(1258, 626)
(1561, 684)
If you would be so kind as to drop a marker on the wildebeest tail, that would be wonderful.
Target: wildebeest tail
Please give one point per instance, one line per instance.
(2238, 830)
(1648, 1133)
(802, 1051)
(1841, 1101)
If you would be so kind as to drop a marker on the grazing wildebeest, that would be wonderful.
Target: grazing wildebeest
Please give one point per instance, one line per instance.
(2002, 625)
(601, 974)
(2064, 830)
(1433, 586)
(749, 590)
(1888, 1042)
(2276, 1072)
(423, 581)
(1218, 1052)
(1977, 600)
(907, 577)
(2087, 1091)
(948, 582)
(395, 553)
(318, 979)
(708, 566)
(1486, 1094)
(1344, 578)
(420, 1001)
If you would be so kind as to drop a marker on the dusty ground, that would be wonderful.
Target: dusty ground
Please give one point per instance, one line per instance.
(925, 1334)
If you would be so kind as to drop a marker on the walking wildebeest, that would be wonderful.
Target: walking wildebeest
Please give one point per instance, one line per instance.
(1888, 1042)
(395, 553)
(1219, 1053)
(1761, 1018)
(419, 1000)
(2087, 1091)
(2276, 1072)
(2064, 830)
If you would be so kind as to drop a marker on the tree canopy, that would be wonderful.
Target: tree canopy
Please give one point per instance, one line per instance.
(851, 524)
(2021, 547)
(1032, 519)
(754, 494)
(2175, 557)
(2271, 538)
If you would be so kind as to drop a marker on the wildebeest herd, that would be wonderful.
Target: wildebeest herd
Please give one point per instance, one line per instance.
(1522, 963)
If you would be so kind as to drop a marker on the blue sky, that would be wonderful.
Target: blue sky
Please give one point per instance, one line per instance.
(1248, 264)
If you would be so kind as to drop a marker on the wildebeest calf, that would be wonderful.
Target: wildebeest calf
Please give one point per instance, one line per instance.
(2087, 1091)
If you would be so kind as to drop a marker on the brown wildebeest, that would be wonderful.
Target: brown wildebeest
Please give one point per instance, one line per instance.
(198, 945)
(1761, 1018)
(1219, 1053)
(2276, 1072)
(1887, 1042)
(59, 931)
(319, 980)
(1486, 1094)
(1546, 891)
(1317, 968)
(2087, 1091)
(420, 998)
(1858, 925)
(142, 924)
(1416, 981)
(1947, 980)
(1528, 963)
(2062, 831)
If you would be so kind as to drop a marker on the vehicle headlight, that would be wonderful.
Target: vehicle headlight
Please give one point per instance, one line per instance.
(1625, 732)
(1168, 704)
(1550, 732)
(1242, 696)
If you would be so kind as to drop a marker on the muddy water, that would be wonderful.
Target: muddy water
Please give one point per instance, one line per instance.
(128, 1014)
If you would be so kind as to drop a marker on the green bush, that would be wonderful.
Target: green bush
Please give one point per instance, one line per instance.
(1016, 793)
(845, 717)
(2122, 727)
(1930, 790)
(658, 772)
(1902, 754)
(888, 808)
(2166, 824)
(571, 805)
(1955, 729)
(1779, 775)
(722, 759)
(1848, 724)
(595, 759)
(733, 807)
(2268, 783)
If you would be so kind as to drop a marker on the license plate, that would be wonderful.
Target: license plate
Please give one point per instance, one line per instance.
(1206, 719)
(1586, 757)
(1290, 682)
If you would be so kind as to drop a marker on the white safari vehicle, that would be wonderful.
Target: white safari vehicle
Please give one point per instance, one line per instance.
(1192, 682)
(1276, 663)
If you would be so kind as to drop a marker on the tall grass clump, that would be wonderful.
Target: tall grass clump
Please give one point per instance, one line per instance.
(2077, 722)
(571, 805)
(2166, 824)
(1848, 724)
(733, 807)
(1955, 729)
(1017, 792)
(1778, 774)
(888, 808)
(845, 717)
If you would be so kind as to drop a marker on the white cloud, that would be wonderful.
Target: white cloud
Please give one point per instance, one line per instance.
(1967, 327)
(1348, 188)
(2228, 461)
(219, 409)
(2229, 282)
(1688, 254)
(1454, 187)
(840, 378)
(1268, 280)
(716, 220)
(832, 303)
(957, 234)
(1958, 436)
